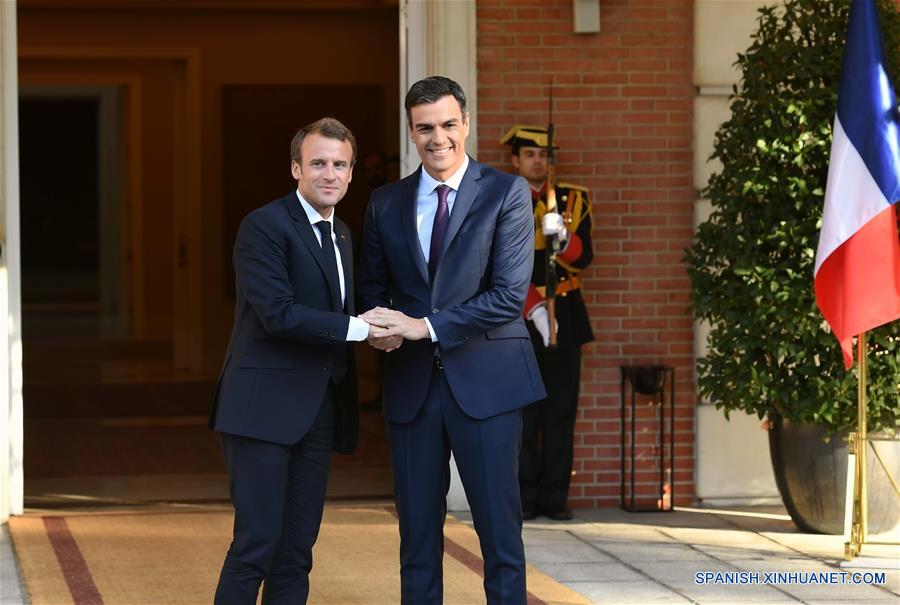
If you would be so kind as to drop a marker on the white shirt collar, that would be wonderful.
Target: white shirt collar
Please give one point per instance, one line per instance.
(428, 183)
(311, 213)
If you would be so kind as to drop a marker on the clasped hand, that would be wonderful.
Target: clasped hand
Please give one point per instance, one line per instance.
(388, 328)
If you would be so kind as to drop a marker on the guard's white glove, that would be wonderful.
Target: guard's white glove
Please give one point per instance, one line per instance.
(541, 322)
(554, 225)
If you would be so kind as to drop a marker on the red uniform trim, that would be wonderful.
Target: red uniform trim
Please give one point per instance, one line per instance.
(572, 251)
(533, 299)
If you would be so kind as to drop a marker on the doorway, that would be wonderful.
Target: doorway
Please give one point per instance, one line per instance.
(100, 388)
(127, 287)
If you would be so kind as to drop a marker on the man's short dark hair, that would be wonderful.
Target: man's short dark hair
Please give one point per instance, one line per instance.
(328, 128)
(432, 90)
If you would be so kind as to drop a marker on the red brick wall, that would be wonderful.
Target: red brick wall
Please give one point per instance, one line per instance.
(623, 103)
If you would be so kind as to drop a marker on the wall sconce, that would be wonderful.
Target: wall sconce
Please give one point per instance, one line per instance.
(586, 16)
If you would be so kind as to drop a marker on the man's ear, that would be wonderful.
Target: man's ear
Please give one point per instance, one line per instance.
(515, 161)
(296, 171)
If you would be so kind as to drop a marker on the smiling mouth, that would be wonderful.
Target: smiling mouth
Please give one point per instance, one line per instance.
(442, 151)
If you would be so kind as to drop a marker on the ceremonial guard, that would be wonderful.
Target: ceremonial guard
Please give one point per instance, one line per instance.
(558, 322)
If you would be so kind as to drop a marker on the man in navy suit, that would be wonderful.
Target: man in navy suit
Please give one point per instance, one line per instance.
(446, 263)
(287, 393)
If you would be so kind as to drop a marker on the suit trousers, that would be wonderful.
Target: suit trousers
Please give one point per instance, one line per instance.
(486, 454)
(545, 464)
(278, 494)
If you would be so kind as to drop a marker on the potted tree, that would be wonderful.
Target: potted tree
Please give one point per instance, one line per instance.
(751, 264)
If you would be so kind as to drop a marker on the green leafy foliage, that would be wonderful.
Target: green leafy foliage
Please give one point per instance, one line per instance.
(751, 264)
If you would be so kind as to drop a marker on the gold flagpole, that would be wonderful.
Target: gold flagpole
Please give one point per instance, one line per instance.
(863, 442)
(859, 529)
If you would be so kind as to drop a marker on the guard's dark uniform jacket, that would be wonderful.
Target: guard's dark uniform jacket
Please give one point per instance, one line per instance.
(545, 461)
(571, 314)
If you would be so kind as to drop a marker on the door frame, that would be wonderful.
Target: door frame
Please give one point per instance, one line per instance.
(12, 479)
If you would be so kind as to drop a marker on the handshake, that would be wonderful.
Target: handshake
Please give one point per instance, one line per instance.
(388, 328)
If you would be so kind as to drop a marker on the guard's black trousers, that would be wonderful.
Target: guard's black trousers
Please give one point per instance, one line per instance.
(545, 461)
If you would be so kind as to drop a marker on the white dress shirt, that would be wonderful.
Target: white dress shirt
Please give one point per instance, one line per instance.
(358, 329)
(426, 208)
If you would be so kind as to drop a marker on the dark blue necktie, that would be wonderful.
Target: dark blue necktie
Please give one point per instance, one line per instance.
(339, 366)
(330, 262)
(438, 230)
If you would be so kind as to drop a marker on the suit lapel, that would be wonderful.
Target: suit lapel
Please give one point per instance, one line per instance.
(346, 249)
(411, 231)
(465, 197)
(305, 231)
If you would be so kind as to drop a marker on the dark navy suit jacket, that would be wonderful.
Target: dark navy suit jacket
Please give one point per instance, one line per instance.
(475, 303)
(288, 329)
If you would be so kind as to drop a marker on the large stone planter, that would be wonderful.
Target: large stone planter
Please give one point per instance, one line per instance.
(811, 475)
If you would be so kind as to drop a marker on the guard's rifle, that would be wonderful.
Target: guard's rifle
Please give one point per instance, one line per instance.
(552, 241)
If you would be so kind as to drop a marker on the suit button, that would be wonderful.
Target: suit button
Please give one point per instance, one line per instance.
(325, 369)
(433, 311)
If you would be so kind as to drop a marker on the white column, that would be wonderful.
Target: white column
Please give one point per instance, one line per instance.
(438, 38)
(732, 461)
(11, 478)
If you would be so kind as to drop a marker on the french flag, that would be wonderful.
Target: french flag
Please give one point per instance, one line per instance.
(857, 274)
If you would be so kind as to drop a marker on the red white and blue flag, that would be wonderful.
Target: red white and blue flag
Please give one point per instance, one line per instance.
(857, 274)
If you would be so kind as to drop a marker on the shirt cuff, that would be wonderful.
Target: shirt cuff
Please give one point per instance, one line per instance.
(357, 330)
(430, 330)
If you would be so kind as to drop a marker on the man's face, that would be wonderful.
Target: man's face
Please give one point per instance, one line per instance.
(439, 131)
(531, 163)
(324, 173)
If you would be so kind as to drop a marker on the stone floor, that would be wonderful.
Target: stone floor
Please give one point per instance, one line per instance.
(619, 558)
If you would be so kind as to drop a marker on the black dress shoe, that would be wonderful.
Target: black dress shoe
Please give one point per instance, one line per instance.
(558, 515)
(529, 514)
